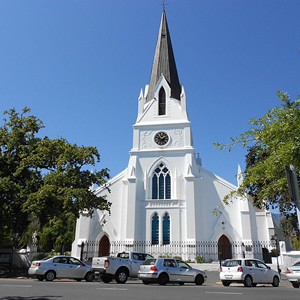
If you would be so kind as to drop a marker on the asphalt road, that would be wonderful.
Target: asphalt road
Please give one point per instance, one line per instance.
(31, 289)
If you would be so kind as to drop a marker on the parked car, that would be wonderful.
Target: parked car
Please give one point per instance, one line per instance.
(165, 270)
(250, 272)
(293, 274)
(60, 267)
(125, 265)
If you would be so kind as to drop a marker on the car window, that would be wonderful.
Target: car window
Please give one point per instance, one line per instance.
(148, 256)
(261, 265)
(182, 264)
(232, 263)
(74, 261)
(250, 263)
(135, 256)
(150, 261)
(170, 263)
(297, 264)
(60, 260)
(123, 255)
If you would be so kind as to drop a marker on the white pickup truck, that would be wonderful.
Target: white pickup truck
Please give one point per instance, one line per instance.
(125, 265)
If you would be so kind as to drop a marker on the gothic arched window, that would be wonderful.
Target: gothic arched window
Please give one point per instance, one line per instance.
(161, 183)
(162, 102)
(166, 229)
(155, 229)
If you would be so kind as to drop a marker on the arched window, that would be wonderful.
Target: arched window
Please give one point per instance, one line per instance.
(161, 183)
(155, 229)
(162, 102)
(166, 229)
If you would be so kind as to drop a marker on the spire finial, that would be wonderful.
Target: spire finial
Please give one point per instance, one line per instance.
(164, 4)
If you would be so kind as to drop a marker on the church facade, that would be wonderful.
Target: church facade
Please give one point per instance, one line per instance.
(163, 202)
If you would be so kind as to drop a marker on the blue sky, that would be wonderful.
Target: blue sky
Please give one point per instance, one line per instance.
(80, 65)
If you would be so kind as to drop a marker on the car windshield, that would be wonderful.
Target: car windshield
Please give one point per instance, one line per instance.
(232, 263)
(150, 261)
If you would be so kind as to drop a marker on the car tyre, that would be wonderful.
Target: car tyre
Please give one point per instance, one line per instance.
(89, 277)
(105, 279)
(121, 276)
(163, 279)
(275, 282)
(50, 276)
(40, 277)
(199, 280)
(248, 281)
(146, 282)
(226, 283)
(295, 285)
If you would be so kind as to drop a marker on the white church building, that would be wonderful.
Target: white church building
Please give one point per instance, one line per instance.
(163, 202)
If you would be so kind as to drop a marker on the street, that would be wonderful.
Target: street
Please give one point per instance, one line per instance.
(32, 289)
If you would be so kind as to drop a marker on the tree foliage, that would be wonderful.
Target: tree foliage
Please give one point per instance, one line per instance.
(43, 179)
(273, 142)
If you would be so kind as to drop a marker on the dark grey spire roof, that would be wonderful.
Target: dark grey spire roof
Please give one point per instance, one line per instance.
(164, 62)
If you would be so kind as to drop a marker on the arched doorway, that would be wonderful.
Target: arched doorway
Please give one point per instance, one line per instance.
(104, 246)
(224, 248)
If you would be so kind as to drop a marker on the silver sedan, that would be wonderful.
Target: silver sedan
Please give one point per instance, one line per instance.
(165, 270)
(60, 267)
(293, 274)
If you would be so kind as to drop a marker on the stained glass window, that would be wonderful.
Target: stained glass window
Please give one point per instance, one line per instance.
(161, 183)
(155, 229)
(166, 229)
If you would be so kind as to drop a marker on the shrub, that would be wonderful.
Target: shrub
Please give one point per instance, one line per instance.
(199, 259)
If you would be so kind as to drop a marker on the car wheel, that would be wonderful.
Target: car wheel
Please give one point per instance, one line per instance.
(248, 281)
(226, 283)
(105, 279)
(89, 277)
(121, 276)
(163, 279)
(40, 277)
(50, 275)
(146, 282)
(181, 283)
(275, 282)
(295, 285)
(199, 280)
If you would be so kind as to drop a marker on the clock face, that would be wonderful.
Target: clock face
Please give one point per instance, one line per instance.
(161, 138)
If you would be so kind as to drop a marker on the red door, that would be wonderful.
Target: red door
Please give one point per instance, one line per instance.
(104, 246)
(224, 248)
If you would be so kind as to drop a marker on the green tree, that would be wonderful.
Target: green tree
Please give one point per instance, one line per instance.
(43, 181)
(273, 142)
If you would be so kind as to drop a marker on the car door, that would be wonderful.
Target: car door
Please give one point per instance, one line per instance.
(136, 260)
(171, 268)
(185, 273)
(265, 274)
(60, 265)
(76, 268)
(252, 269)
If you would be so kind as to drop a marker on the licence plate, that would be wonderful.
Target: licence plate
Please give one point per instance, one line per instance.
(228, 276)
(142, 275)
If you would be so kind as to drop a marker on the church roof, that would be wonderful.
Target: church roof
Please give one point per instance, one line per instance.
(164, 62)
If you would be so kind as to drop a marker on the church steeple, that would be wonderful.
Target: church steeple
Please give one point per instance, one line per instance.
(164, 62)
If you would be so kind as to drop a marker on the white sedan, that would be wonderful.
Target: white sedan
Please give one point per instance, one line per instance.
(293, 274)
(248, 271)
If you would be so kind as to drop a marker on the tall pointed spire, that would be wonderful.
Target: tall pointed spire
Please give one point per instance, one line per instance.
(164, 62)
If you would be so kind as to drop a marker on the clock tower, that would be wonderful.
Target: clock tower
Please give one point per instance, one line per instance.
(162, 164)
